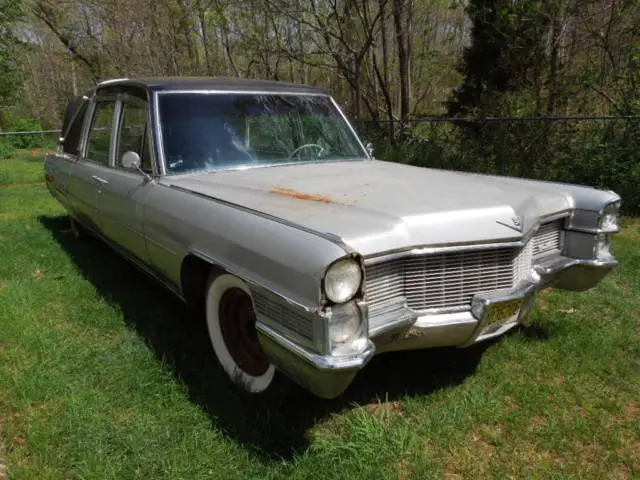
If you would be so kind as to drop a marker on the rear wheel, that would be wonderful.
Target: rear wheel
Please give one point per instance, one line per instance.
(231, 322)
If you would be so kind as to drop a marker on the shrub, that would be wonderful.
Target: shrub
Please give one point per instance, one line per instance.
(12, 122)
(598, 153)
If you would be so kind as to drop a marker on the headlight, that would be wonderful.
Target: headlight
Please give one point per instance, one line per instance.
(344, 324)
(347, 330)
(608, 221)
(342, 280)
(603, 246)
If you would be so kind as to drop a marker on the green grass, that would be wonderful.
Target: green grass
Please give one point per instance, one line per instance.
(104, 375)
(21, 169)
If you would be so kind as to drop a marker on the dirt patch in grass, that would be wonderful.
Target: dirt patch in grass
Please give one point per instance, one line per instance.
(381, 408)
(543, 304)
(3, 468)
(21, 185)
(633, 410)
(404, 470)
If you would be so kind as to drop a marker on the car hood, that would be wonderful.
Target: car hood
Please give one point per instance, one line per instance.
(376, 206)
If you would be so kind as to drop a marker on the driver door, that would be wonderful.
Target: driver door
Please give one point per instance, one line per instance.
(125, 190)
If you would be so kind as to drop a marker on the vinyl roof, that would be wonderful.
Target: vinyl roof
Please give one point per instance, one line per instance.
(212, 83)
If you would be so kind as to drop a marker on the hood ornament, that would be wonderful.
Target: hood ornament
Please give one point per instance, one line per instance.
(516, 224)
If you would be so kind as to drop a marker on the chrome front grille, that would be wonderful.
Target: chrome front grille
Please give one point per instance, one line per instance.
(548, 239)
(447, 281)
(442, 281)
(283, 316)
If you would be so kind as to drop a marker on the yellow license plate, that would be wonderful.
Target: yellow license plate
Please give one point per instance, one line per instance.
(500, 313)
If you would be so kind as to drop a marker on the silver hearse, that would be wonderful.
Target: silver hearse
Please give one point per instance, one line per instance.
(257, 202)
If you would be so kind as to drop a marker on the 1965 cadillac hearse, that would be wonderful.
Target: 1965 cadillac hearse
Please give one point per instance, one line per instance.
(257, 202)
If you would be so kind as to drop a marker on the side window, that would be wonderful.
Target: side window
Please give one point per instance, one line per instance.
(72, 139)
(100, 133)
(133, 134)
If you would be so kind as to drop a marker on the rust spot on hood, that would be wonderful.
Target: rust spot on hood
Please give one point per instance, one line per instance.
(301, 196)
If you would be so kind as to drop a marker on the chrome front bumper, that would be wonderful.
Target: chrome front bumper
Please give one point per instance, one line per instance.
(466, 328)
(323, 375)
(404, 329)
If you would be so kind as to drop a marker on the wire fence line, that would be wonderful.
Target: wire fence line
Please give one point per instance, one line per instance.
(566, 118)
(32, 132)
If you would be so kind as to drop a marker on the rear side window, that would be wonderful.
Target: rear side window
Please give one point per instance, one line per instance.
(133, 133)
(100, 133)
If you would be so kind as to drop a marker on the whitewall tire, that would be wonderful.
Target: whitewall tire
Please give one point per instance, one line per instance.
(231, 325)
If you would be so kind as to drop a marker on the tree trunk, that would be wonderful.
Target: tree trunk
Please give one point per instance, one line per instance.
(402, 22)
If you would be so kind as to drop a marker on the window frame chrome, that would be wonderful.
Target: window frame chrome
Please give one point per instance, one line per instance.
(91, 111)
(160, 141)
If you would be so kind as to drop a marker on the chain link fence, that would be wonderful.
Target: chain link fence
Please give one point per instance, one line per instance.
(27, 140)
(603, 152)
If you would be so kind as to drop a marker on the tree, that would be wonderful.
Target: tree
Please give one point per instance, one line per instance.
(506, 51)
(10, 13)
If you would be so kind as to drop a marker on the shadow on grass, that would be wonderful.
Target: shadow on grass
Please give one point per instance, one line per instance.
(536, 332)
(273, 427)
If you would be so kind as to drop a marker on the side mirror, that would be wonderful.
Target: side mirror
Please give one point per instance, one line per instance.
(369, 148)
(131, 161)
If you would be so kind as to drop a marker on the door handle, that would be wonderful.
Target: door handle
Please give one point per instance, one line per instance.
(99, 180)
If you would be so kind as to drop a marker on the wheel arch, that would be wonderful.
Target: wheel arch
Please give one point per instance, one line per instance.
(195, 273)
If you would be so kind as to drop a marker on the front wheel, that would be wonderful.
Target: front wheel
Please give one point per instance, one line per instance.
(231, 322)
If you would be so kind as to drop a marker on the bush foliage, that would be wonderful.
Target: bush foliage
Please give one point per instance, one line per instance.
(599, 153)
(12, 122)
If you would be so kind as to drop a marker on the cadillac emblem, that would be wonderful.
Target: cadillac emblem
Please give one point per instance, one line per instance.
(516, 223)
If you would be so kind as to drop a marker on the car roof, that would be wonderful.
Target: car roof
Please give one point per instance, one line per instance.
(212, 83)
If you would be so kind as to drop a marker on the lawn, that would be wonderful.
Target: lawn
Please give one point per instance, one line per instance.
(104, 375)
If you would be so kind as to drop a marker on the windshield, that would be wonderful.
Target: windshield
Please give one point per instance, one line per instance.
(208, 132)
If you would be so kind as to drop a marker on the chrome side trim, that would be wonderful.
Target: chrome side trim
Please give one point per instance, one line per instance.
(159, 245)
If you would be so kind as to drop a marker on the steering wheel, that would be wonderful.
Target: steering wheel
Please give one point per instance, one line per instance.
(306, 145)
